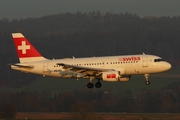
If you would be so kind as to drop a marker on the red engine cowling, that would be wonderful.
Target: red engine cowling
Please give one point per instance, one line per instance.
(112, 76)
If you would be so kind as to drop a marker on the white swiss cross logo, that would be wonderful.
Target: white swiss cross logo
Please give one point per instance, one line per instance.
(23, 47)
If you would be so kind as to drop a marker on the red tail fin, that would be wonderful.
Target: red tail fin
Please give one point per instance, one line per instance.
(26, 51)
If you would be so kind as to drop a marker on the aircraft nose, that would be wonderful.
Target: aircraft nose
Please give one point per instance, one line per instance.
(168, 66)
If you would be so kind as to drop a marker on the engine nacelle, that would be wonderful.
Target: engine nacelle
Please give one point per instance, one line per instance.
(112, 76)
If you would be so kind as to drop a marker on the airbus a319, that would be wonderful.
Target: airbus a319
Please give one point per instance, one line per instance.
(107, 68)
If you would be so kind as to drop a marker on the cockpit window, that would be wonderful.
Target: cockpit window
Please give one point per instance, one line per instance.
(158, 60)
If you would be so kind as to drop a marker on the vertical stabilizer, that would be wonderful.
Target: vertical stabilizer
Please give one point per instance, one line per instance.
(25, 50)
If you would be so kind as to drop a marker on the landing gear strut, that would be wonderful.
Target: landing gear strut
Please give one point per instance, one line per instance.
(90, 84)
(147, 79)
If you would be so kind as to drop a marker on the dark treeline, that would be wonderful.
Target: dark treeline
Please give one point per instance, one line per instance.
(89, 34)
(148, 101)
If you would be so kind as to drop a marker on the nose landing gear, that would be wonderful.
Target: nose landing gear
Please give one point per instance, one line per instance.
(147, 79)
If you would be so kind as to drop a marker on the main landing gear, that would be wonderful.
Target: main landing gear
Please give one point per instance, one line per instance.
(147, 79)
(98, 84)
(91, 85)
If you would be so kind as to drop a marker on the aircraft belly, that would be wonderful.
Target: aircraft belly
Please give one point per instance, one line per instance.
(144, 70)
(130, 70)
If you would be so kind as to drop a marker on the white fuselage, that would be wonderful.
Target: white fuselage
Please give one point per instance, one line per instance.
(109, 68)
(128, 65)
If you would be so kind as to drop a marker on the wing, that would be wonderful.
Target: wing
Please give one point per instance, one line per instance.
(85, 71)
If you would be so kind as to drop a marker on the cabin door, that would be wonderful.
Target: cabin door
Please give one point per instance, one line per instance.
(145, 61)
(45, 67)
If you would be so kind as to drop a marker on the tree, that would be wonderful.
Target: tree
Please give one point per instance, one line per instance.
(8, 110)
(84, 109)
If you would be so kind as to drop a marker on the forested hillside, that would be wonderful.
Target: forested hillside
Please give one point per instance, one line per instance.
(89, 34)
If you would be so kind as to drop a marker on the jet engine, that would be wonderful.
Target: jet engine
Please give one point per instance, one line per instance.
(114, 76)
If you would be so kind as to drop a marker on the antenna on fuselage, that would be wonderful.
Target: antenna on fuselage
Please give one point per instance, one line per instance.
(73, 57)
(144, 53)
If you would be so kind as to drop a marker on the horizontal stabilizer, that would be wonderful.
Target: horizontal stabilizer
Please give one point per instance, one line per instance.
(22, 65)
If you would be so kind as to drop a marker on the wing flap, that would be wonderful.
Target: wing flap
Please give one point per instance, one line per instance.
(84, 70)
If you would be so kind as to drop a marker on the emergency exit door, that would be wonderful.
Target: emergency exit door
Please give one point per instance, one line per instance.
(45, 67)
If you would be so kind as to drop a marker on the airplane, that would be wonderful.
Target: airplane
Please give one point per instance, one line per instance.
(107, 68)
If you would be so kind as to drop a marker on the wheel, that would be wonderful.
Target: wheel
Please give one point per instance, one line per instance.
(98, 85)
(90, 85)
(147, 82)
